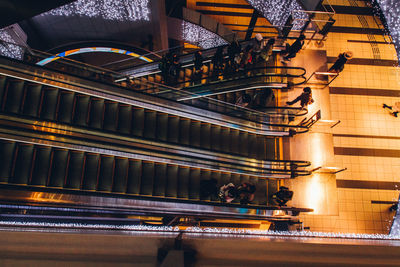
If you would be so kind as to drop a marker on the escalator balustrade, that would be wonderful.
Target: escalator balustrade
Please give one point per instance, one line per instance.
(41, 102)
(33, 165)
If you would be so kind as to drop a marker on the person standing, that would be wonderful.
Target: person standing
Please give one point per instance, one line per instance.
(292, 50)
(198, 67)
(342, 59)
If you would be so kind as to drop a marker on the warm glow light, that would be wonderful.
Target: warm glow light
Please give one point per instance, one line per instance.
(315, 193)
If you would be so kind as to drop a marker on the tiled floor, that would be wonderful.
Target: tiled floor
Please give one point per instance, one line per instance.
(365, 127)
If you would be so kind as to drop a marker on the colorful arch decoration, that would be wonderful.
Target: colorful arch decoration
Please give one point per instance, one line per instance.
(91, 50)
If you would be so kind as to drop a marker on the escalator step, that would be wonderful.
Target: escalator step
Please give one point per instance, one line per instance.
(171, 188)
(105, 180)
(110, 116)
(194, 183)
(234, 146)
(183, 182)
(173, 129)
(150, 123)
(15, 90)
(82, 108)
(32, 100)
(120, 175)
(160, 177)
(225, 140)
(134, 177)
(270, 144)
(244, 143)
(49, 103)
(138, 121)
(7, 150)
(125, 119)
(41, 166)
(75, 170)
(235, 179)
(225, 179)
(66, 106)
(162, 126)
(59, 167)
(253, 149)
(261, 194)
(147, 181)
(91, 171)
(215, 137)
(23, 163)
(244, 178)
(261, 152)
(204, 175)
(205, 136)
(96, 113)
(184, 131)
(217, 176)
(195, 133)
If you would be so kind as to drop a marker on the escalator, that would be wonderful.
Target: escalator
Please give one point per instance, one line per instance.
(68, 136)
(218, 95)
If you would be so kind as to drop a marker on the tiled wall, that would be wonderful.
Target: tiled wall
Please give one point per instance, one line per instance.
(364, 124)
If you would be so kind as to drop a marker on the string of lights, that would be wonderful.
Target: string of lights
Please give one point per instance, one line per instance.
(7, 48)
(278, 11)
(120, 10)
(391, 12)
(198, 230)
(199, 36)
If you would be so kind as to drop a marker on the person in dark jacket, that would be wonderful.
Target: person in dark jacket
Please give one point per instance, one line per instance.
(282, 196)
(246, 192)
(218, 61)
(342, 59)
(292, 50)
(234, 50)
(305, 98)
(198, 67)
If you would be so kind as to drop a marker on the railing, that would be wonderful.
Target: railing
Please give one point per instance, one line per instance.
(107, 77)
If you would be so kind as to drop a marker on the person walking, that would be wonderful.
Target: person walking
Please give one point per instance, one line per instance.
(305, 98)
(342, 59)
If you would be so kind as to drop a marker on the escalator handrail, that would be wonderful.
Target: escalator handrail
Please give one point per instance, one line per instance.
(29, 133)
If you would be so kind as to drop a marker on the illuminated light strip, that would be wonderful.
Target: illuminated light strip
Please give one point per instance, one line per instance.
(198, 230)
(120, 10)
(8, 48)
(391, 11)
(197, 35)
(91, 50)
(278, 11)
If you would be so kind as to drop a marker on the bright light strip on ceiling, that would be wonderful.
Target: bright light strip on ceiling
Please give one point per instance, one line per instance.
(278, 11)
(7, 48)
(91, 50)
(391, 11)
(200, 36)
(120, 10)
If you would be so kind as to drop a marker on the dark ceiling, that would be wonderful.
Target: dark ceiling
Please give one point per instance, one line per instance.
(13, 11)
